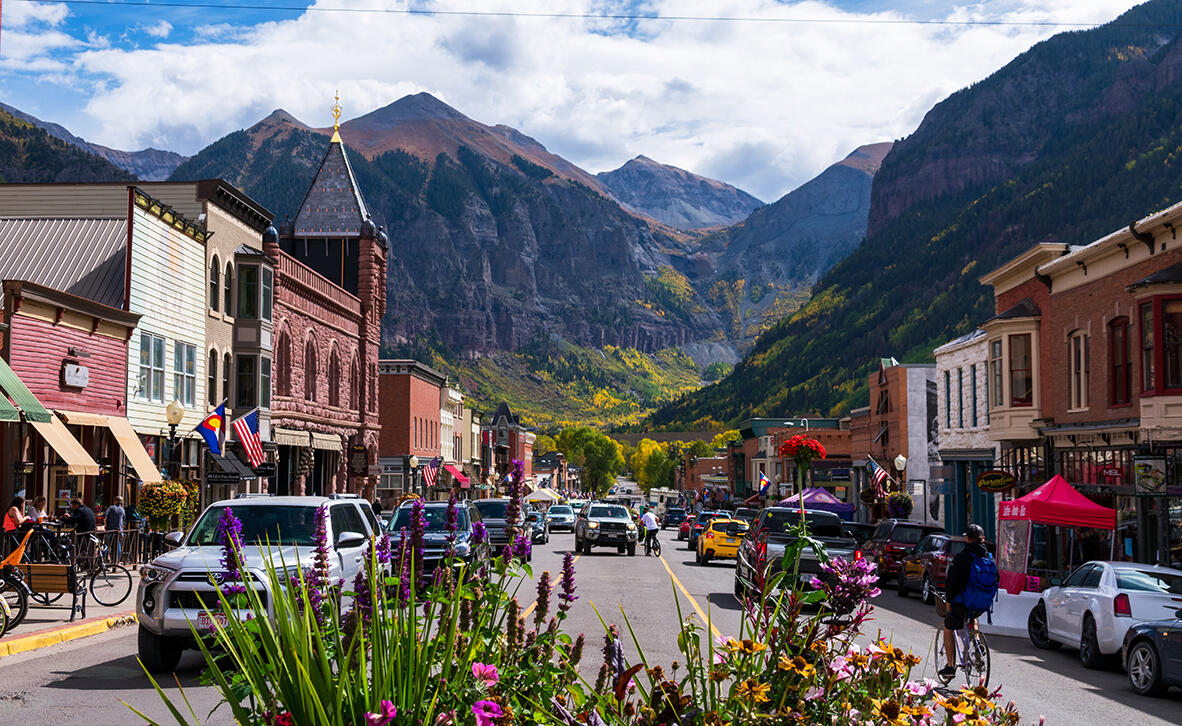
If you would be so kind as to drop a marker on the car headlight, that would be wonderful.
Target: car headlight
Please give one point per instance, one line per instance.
(462, 549)
(592, 525)
(631, 526)
(155, 573)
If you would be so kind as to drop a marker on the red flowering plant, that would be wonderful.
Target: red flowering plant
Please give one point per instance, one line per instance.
(802, 450)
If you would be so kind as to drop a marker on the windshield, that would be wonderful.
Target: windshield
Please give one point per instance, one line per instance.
(704, 517)
(818, 525)
(1149, 581)
(607, 511)
(261, 525)
(492, 508)
(907, 535)
(561, 509)
(676, 510)
(436, 519)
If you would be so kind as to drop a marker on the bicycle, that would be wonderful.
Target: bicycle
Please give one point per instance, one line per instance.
(971, 646)
(652, 545)
(110, 583)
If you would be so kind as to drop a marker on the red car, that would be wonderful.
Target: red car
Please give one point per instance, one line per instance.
(926, 565)
(893, 540)
(683, 530)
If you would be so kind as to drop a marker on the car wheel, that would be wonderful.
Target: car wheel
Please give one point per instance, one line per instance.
(158, 653)
(1089, 645)
(929, 592)
(1144, 669)
(1037, 630)
(632, 549)
(901, 585)
(620, 549)
(706, 557)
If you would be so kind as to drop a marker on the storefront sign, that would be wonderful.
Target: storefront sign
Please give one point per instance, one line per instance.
(995, 481)
(222, 477)
(75, 376)
(358, 460)
(266, 469)
(837, 474)
(1149, 475)
(1113, 472)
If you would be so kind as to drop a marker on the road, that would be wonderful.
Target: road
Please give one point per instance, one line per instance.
(84, 682)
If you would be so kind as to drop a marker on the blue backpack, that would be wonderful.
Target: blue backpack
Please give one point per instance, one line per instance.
(982, 585)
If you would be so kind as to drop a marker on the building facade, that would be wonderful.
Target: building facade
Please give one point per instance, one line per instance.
(409, 395)
(504, 440)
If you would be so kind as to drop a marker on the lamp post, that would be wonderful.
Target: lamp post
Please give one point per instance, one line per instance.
(412, 465)
(173, 413)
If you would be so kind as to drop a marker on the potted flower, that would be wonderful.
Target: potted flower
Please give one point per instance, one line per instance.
(802, 450)
(899, 505)
(160, 502)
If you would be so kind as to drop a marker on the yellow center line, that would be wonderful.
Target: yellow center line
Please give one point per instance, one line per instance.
(691, 599)
(525, 613)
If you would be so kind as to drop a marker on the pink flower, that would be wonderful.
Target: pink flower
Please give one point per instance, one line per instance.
(487, 713)
(814, 692)
(840, 668)
(920, 688)
(447, 718)
(486, 673)
(386, 713)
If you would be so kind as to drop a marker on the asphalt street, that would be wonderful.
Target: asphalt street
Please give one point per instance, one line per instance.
(85, 681)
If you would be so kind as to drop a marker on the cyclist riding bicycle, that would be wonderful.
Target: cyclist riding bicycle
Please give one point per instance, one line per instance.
(969, 589)
(651, 525)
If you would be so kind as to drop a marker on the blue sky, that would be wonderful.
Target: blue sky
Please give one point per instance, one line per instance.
(763, 105)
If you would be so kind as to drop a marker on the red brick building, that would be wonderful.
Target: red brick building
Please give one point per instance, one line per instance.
(504, 440)
(408, 401)
(330, 296)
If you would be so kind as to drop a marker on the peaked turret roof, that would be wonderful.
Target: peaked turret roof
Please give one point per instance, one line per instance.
(333, 206)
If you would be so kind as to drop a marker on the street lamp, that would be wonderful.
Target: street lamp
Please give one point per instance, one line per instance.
(412, 463)
(173, 413)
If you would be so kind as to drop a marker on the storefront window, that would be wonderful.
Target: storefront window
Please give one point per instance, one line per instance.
(247, 385)
(1171, 329)
(248, 292)
(996, 372)
(184, 372)
(1147, 347)
(1021, 371)
(1121, 372)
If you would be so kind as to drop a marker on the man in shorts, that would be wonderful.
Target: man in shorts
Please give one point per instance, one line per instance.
(955, 584)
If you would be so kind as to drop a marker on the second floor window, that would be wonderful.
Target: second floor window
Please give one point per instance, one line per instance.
(1021, 371)
(247, 386)
(264, 383)
(151, 381)
(960, 398)
(215, 283)
(184, 373)
(227, 367)
(995, 371)
(212, 378)
(1077, 362)
(1120, 381)
(1147, 378)
(973, 392)
(947, 399)
(1171, 342)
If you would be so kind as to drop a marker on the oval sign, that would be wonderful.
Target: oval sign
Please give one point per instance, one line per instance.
(995, 481)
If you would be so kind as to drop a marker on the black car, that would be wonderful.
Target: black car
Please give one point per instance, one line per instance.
(700, 523)
(747, 514)
(435, 539)
(1152, 654)
(860, 531)
(492, 513)
(601, 524)
(674, 516)
(539, 527)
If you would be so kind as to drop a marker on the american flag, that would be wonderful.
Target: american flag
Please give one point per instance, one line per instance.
(247, 429)
(431, 472)
(877, 474)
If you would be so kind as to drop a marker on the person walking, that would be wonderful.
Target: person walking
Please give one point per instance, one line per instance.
(113, 520)
(377, 508)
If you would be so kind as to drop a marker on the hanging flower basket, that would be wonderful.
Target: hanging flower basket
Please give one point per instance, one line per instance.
(802, 449)
(868, 496)
(161, 502)
(899, 505)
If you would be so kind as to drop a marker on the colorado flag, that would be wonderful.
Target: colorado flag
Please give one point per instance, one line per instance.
(764, 484)
(211, 429)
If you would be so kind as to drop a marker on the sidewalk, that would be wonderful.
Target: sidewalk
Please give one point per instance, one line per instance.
(45, 626)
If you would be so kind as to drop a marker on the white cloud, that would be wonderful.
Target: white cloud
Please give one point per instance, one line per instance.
(159, 30)
(24, 14)
(764, 106)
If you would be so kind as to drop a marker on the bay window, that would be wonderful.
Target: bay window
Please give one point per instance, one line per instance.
(1021, 371)
(264, 382)
(1171, 342)
(247, 386)
(248, 292)
(1147, 377)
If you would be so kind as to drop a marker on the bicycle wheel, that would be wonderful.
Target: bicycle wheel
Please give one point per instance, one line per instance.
(110, 584)
(941, 659)
(18, 602)
(657, 547)
(976, 659)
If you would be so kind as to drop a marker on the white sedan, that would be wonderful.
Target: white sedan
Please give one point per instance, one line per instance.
(1098, 603)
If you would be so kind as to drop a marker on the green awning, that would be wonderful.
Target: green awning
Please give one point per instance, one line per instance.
(21, 396)
(7, 412)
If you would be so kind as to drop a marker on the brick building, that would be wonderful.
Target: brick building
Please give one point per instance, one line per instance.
(505, 439)
(330, 296)
(409, 393)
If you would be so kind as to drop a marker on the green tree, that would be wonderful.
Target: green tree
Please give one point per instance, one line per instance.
(721, 440)
(597, 455)
(544, 444)
(639, 461)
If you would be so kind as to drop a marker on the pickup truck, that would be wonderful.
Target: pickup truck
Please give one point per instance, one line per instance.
(763, 548)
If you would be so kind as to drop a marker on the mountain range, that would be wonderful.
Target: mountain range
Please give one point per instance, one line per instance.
(676, 197)
(1069, 141)
(30, 154)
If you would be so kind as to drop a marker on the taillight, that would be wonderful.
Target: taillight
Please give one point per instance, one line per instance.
(857, 554)
(709, 535)
(1122, 606)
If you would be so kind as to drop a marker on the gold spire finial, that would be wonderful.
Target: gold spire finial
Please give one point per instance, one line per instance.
(336, 117)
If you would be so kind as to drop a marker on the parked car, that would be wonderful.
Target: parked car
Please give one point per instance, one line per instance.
(860, 531)
(924, 568)
(721, 540)
(492, 513)
(1098, 603)
(684, 529)
(435, 538)
(605, 525)
(539, 528)
(176, 589)
(674, 516)
(1152, 655)
(698, 525)
(891, 542)
(745, 514)
(762, 550)
(561, 518)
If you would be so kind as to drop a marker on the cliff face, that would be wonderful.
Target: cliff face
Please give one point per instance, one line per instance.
(677, 197)
(494, 241)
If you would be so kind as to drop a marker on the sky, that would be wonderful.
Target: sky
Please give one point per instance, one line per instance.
(764, 100)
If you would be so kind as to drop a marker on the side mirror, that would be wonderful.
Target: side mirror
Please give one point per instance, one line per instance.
(174, 538)
(348, 539)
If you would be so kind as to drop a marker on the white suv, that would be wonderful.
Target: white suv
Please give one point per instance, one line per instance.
(174, 586)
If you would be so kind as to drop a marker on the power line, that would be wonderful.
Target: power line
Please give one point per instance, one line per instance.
(587, 16)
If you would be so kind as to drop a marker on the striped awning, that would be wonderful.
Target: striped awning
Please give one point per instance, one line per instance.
(133, 448)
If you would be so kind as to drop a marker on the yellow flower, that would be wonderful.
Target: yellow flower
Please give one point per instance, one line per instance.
(955, 704)
(978, 696)
(819, 647)
(718, 674)
(797, 665)
(746, 647)
(890, 712)
(894, 657)
(753, 690)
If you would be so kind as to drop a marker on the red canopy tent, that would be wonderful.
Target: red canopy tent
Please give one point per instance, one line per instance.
(1058, 503)
(1055, 503)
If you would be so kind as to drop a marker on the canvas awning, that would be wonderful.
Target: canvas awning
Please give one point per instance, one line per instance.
(22, 398)
(8, 412)
(133, 448)
(290, 437)
(458, 476)
(1060, 504)
(543, 495)
(326, 442)
(55, 433)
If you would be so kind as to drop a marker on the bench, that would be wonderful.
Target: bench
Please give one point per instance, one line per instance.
(57, 579)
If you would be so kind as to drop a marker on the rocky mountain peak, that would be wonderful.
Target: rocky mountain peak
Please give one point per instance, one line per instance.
(416, 107)
(676, 197)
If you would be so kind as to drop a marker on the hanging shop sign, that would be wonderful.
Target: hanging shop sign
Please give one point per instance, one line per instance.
(1149, 475)
(995, 481)
(359, 460)
(267, 469)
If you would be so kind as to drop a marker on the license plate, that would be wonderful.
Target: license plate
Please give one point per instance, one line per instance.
(206, 620)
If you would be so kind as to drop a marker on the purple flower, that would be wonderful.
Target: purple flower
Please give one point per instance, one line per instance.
(485, 673)
(479, 533)
(418, 530)
(229, 533)
(362, 597)
(566, 593)
(522, 547)
(385, 714)
(487, 712)
(384, 548)
(850, 583)
(405, 562)
(545, 587)
(451, 523)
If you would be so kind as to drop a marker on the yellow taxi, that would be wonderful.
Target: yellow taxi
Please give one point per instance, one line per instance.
(715, 543)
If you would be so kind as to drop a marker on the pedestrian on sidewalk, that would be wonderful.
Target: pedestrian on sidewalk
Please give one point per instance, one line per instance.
(113, 520)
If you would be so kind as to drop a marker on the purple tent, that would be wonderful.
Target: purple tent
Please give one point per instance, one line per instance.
(818, 498)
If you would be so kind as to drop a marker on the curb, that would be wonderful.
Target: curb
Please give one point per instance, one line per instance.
(65, 633)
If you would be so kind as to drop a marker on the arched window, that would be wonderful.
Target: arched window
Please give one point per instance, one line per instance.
(283, 364)
(212, 383)
(215, 282)
(228, 297)
(227, 364)
(309, 372)
(354, 390)
(334, 379)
